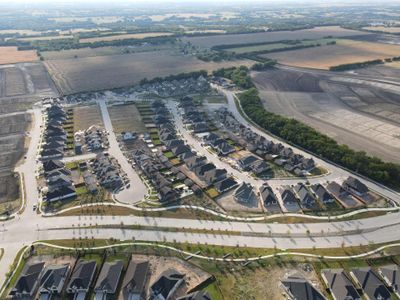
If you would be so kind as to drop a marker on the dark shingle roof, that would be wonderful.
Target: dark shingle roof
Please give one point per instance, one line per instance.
(135, 278)
(82, 275)
(300, 288)
(109, 277)
(340, 285)
(28, 278)
(371, 284)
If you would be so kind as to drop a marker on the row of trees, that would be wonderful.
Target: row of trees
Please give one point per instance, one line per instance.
(308, 138)
(180, 76)
(357, 65)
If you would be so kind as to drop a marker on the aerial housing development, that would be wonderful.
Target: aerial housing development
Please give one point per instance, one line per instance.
(202, 151)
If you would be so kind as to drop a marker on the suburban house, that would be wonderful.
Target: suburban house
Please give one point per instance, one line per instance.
(224, 148)
(214, 175)
(166, 285)
(289, 200)
(61, 193)
(355, 186)
(201, 170)
(341, 194)
(245, 194)
(391, 276)
(167, 194)
(246, 162)
(322, 194)
(108, 279)
(211, 138)
(52, 153)
(269, 199)
(81, 278)
(300, 288)
(173, 143)
(307, 200)
(52, 281)
(225, 185)
(195, 161)
(59, 181)
(180, 149)
(28, 282)
(339, 284)
(200, 127)
(370, 283)
(50, 165)
(134, 283)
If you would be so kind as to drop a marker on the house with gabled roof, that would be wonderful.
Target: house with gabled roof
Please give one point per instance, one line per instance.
(55, 153)
(53, 280)
(195, 161)
(353, 185)
(339, 285)
(269, 199)
(341, 194)
(224, 148)
(200, 127)
(297, 287)
(391, 276)
(289, 199)
(306, 199)
(225, 185)
(173, 143)
(370, 283)
(108, 279)
(134, 283)
(61, 193)
(245, 194)
(180, 149)
(166, 285)
(81, 278)
(167, 194)
(28, 282)
(214, 175)
(201, 170)
(52, 164)
(246, 162)
(322, 194)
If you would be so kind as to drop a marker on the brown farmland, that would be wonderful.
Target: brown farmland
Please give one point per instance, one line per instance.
(106, 72)
(344, 52)
(266, 37)
(364, 117)
(11, 55)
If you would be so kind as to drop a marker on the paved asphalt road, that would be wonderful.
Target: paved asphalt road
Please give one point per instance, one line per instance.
(137, 190)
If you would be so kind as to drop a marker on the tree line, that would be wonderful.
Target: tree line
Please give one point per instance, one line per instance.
(310, 139)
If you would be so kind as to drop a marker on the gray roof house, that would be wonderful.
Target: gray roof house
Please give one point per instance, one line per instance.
(201, 170)
(306, 199)
(166, 285)
(133, 285)
(355, 186)
(245, 194)
(61, 193)
(196, 161)
(269, 199)
(180, 149)
(81, 278)
(246, 162)
(391, 276)
(53, 280)
(322, 193)
(108, 279)
(215, 175)
(341, 194)
(50, 165)
(225, 185)
(224, 149)
(289, 200)
(300, 289)
(28, 282)
(370, 283)
(339, 284)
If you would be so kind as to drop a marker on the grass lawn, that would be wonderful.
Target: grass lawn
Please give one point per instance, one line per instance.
(81, 190)
(72, 165)
(212, 192)
(169, 154)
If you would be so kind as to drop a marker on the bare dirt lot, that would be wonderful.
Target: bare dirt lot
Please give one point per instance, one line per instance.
(126, 118)
(266, 37)
(159, 264)
(344, 52)
(77, 75)
(11, 55)
(124, 37)
(86, 116)
(362, 117)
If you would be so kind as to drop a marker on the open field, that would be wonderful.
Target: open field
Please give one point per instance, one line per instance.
(124, 37)
(383, 29)
(126, 118)
(101, 51)
(361, 117)
(76, 75)
(344, 52)
(265, 37)
(11, 55)
(86, 116)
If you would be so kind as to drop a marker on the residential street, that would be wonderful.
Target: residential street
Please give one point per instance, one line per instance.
(137, 190)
